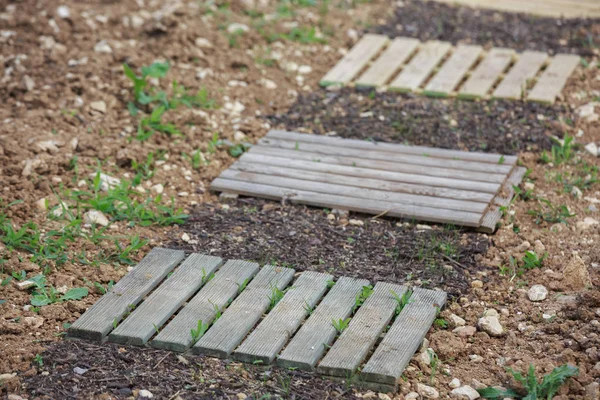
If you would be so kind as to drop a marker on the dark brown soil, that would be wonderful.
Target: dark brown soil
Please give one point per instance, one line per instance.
(505, 127)
(432, 20)
(313, 239)
(114, 372)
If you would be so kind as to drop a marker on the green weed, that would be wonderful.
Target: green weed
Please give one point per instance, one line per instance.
(199, 331)
(548, 212)
(401, 301)
(360, 298)
(340, 325)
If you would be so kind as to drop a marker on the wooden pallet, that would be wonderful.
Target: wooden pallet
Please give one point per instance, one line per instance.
(438, 69)
(546, 8)
(233, 301)
(429, 184)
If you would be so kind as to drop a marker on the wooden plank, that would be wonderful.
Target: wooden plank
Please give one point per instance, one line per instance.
(98, 320)
(506, 193)
(548, 8)
(267, 340)
(391, 147)
(487, 73)
(347, 203)
(490, 220)
(421, 66)
(363, 182)
(554, 78)
(424, 172)
(205, 305)
(318, 332)
(355, 60)
(514, 84)
(165, 300)
(342, 166)
(420, 160)
(452, 72)
(404, 337)
(353, 345)
(384, 68)
(243, 314)
(352, 191)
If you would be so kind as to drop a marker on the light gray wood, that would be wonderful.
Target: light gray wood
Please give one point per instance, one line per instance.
(243, 314)
(421, 66)
(490, 220)
(355, 60)
(421, 160)
(352, 191)
(318, 332)
(404, 337)
(385, 165)
(137, 328)
(212, 298)
(554, 78)
(487, 73)
(99, 319)
(347, 203)
(444, 82)
(353, 345)
(384, 68)
(551, 8)
(507, 191)
(514, 84)
(265, 342)
(347, 167)
(391, 147)
(391, 186)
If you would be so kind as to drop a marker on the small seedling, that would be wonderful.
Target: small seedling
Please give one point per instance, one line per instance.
(243, 285)
(276, 295)
(434, 361)
(531, 260)
(362, 296)
(340, 325)
(401, 301)
(199, 331)
(38, 360)
(330, 283)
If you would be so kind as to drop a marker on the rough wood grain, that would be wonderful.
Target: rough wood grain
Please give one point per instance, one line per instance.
(355, 60)
(353, 345)
(444, 82)
(381, 184)
(318, 332)
(137, 328)
(243, 314)
(347, 203)
(384, 68)
(395, 148)
(554, 78)
(367, 169)
(267, 340)
(205, 305)
(353, 191)
(98, 320)
(421, 66)
(404, 337)
(487, 73)
(514, 84)
(550, 8)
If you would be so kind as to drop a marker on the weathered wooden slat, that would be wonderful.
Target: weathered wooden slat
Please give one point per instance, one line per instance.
(420, 160)
(554, 78)
(549, 8)
(346, 167)
(355, 60)
(265, 342)
(404, 337)
(347, 203)
(444, 82)
(487, 73)
(421, 66)
(100, 318)
(353, 345)
(384, 68)
(514, 84)
(318, 332)
(353, 191)
(205, 305)
(391, 147)
(507, 192)
(425, 172)
(479, 197)
(137, 328)
(243, 314)
(490, 219)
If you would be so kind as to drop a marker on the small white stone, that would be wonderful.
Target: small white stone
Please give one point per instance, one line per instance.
(183, 194)
(490, 312)
(63, 12)
(491, 325)
(204, 43)
(79, 370)
(237, 27)
(529, 186)
(576, 192)
(95, 217)
(592, 149)
(454, 383)
(267, 83)
(304, 69)
(464, 392)
(427, 391)
(537, 293)
(352, 34)
(240, 136)
(99, 106)
(28, 83)
(158, 188)
(145, 394)
(457, 321)
(421, 227)
(411, 396)
(41, 204)
(103, 47)
(356, 222)
(185, 237)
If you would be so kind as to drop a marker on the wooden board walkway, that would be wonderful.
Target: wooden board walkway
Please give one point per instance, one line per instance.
(265, 315)
(546, 8)
(435, 185)
(438, 69)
